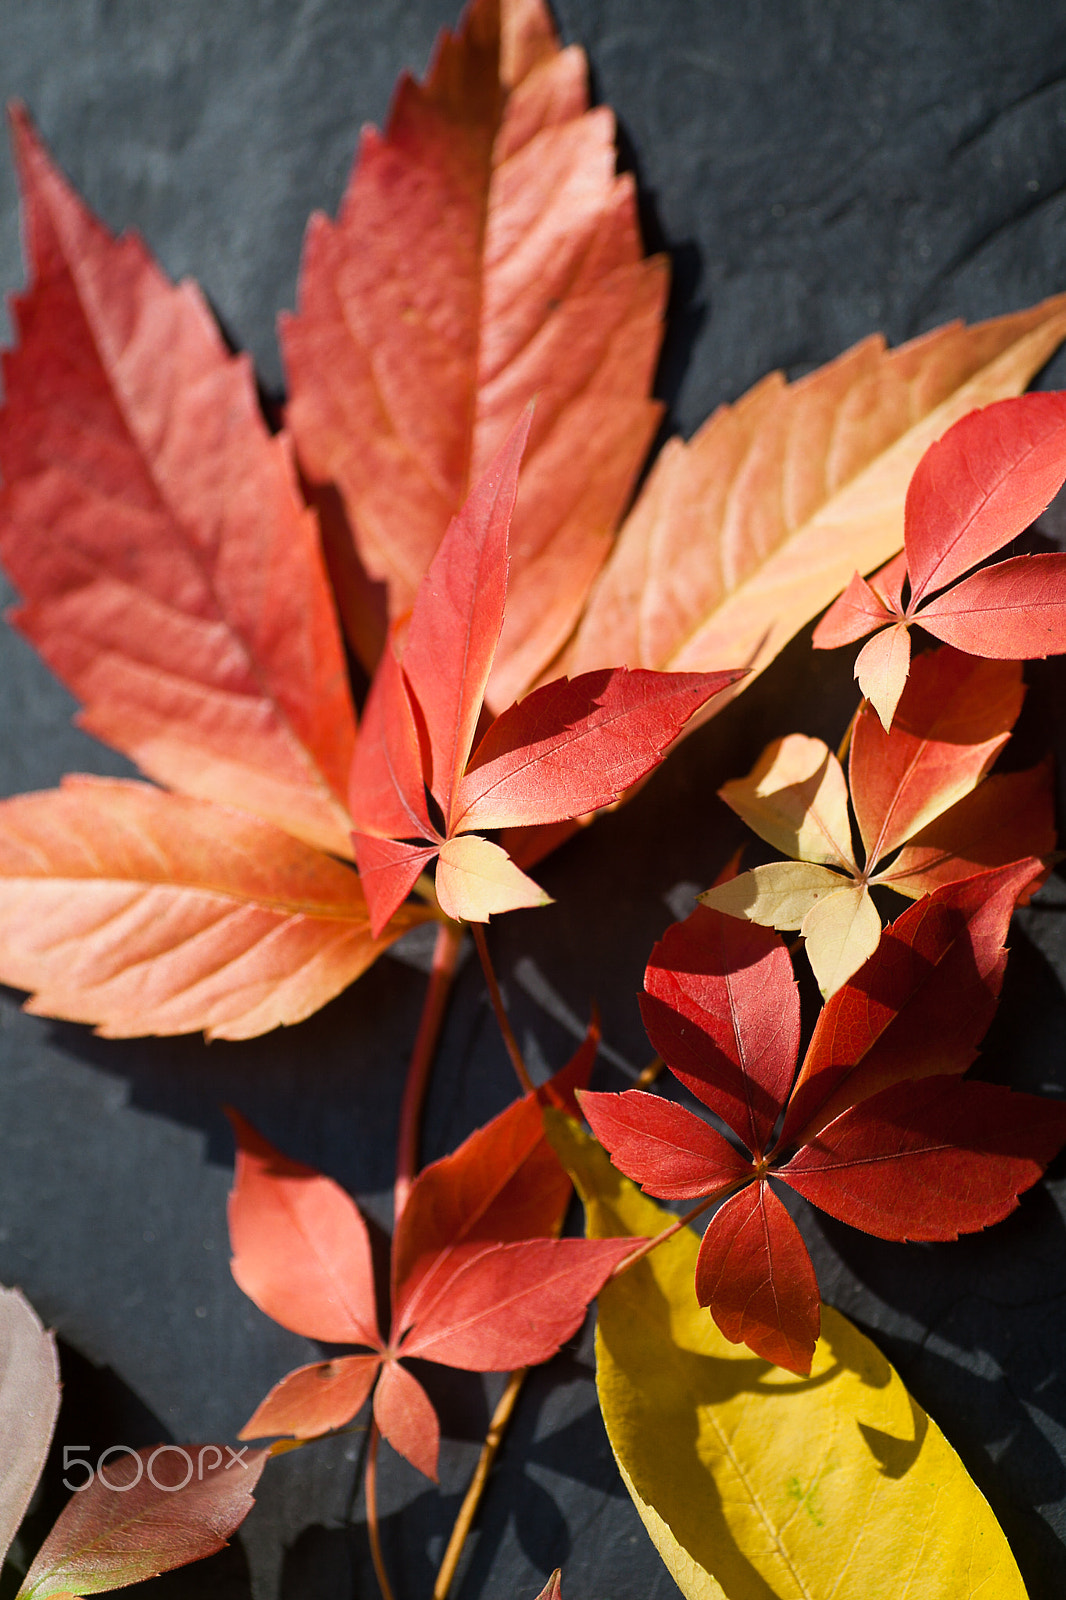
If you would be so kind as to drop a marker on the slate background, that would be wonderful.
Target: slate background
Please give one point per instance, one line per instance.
(820, 170)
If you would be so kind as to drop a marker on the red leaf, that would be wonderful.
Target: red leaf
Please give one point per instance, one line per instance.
(918, 1007)
(386, 793)
(668, 1151)
(1007, 813)
(953, 719)
(1015, 610)
(171, 575)
(300, 1247)
(980, 485)
(929, 1160)
(572, 747)
(512, 1305)
(388, 871)
(148, 1512)
(853, 614)
(456, 621)
(314, 1400)
(485, 252)
(754, 1273)
(721, 1008)
(404, 1413)
(504, 1183)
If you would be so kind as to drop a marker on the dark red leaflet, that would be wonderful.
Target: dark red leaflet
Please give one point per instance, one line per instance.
(671, 1153)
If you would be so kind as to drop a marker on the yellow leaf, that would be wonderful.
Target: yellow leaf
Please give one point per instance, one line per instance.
(795, 798)
(779, 895)
(743, 535)
(475, 879)
(840, 930)
(754, 1484)
(881, 669)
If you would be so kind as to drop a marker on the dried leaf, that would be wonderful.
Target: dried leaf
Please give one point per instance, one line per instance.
(742, 536)
(29, 1404)
(150, 1511)
(170, 574)
(146, 912)
(485, 252)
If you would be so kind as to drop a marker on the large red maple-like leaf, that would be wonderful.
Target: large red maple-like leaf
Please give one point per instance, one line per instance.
(478, 1279)
(171, 576)
(565, 750)
(485, 252)
(879, 1128)
(973, 491)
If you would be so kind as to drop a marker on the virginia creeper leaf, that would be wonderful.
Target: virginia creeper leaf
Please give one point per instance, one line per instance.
(929, 1160)
(750, 1482)
(29, 1404)
(147, 912)
(301, 1250)
(315, 1399)
(1016, 608)
(1008, 812)
(485, 252)
(840, 931)
(661, 1146)
(796, 798)
(985, 481)
(170, 574)
(404, 1413)
(881, 669)
(125, 1527)
(954, 718)
(742, 536)
(705, 1010)
(754, 1273)
(778, 895)
(476, 879)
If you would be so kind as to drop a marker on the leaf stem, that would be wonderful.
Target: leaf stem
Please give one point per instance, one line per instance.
(472, 1499)
(845, 743)
(372, 1513)
(445, 957)
(647, 1245)
(477, 929)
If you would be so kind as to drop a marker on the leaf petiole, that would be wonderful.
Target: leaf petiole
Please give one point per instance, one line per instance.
(445, 957)
(472, 1499)
(372, 1513)
(502, 1018)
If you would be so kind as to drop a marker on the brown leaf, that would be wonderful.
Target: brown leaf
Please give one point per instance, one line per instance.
(29, 1402)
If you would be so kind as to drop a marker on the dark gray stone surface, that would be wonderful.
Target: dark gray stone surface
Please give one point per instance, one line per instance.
(820, 170)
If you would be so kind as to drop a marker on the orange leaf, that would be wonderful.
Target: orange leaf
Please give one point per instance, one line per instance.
(171, 575)
(146, 912)
(881, 669)
(485, 252)
(742, 536)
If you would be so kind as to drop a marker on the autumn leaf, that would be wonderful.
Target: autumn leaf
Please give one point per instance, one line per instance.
(920, 785)
(171, 576)
(29, 1404)
(740, 537)
(751, 1483)
(478, 1279)
(169, 572)
(879, 1129)
(972, 492)
(485, 252)
(149, 1511)
(567, 749)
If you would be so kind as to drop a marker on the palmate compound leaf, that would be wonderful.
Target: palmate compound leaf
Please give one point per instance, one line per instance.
(29, 1404)
(973, 491)
(170, 573)
(750, 1482)
(568, 748)
(147, 912)
(473, 1286)
(485, 252)
(859, 1136)
(145, 1513)
(922, 780)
